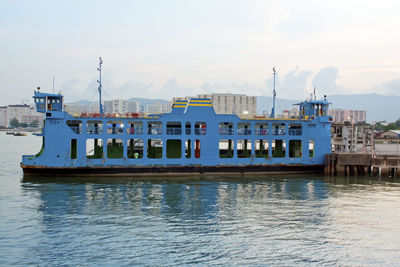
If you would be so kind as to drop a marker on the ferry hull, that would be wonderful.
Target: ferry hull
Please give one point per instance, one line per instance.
(169, 170)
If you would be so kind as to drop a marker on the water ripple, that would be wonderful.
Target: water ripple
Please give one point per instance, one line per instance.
(230, 221)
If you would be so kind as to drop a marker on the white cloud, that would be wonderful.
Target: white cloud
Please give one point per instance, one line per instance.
(391, 87)
(325, 81)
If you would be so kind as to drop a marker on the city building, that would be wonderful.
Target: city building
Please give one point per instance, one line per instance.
(343, 115)
(133, 107)
(23, 113)
(94, 107)
(387, 146)
(239, 104)
(351, 137)
(120, 106)
(391, 134)
(158, 108)
(17, 111)
(3, 117)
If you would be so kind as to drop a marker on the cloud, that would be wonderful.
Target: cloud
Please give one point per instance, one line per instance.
(235, 88)
(293, 84)
(391, 87)
(133, 88)
(325, 81)
(70, 85)
(172, 88)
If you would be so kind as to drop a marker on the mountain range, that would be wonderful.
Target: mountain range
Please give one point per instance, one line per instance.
(378, 107)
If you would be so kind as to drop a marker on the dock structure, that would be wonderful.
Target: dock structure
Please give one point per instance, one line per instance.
(362, 164)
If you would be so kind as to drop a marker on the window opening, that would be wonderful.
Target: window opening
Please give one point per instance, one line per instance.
(188, 128)
(75, 126)
(261, 148)
(154, 127)
(135, 148)
(243, 148)
(135, 127)
(295, 149)
(278, 148)
(174, 128)
(188, 148)
(73, 149)
(115, 127)
(225, 128)
(226, 148)
(94, 127)
(311, 148)
(261, 129)
(154, 148)
(115, 148)
(174, 148)
(244, 129)
(197, 149)
(278, 128)
(295, 129)
(94, 148)
(200, 128)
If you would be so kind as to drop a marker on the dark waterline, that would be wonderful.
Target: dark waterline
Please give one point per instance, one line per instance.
(200, 220)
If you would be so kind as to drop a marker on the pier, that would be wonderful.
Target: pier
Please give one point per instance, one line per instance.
(362, 164)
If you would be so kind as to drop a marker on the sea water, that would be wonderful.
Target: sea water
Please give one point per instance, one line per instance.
(195, 220)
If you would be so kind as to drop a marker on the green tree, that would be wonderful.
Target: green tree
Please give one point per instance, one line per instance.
(384, 126)
(390, 126)
(14, 123)
(34, 124)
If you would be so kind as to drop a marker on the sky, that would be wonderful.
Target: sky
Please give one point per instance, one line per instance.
(164, 49)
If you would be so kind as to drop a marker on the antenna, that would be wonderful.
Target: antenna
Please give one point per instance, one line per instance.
(315, 96)
(100, 86)
(53, 84)
(274, 95)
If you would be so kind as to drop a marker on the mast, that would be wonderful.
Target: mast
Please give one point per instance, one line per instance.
(274, 95)
(100, 86)
(315, 96)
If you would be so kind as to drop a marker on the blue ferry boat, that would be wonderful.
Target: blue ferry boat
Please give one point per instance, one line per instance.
(192, 138)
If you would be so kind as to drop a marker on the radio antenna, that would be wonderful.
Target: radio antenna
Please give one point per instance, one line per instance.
(100, 86)
(274, 95)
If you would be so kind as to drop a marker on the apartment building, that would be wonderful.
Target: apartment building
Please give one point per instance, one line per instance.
(351, 137)
(23, 113)
(120, 106)
(158, 108)
(342, 115)
(3, 117)
(238, 104)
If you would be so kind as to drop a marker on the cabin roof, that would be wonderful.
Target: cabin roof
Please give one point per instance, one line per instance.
(39, 94)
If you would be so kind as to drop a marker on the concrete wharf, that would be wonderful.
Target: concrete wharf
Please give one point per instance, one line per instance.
(362, 164)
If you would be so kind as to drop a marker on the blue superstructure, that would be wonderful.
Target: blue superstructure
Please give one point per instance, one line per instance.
(191, 138)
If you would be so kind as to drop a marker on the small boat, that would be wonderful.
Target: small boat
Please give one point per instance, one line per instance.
(19, 134)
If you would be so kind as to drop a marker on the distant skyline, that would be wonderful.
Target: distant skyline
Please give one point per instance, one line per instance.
(162, 49)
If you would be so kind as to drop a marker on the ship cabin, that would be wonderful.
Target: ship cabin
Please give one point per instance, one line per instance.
(313, 108)
(46, 103)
